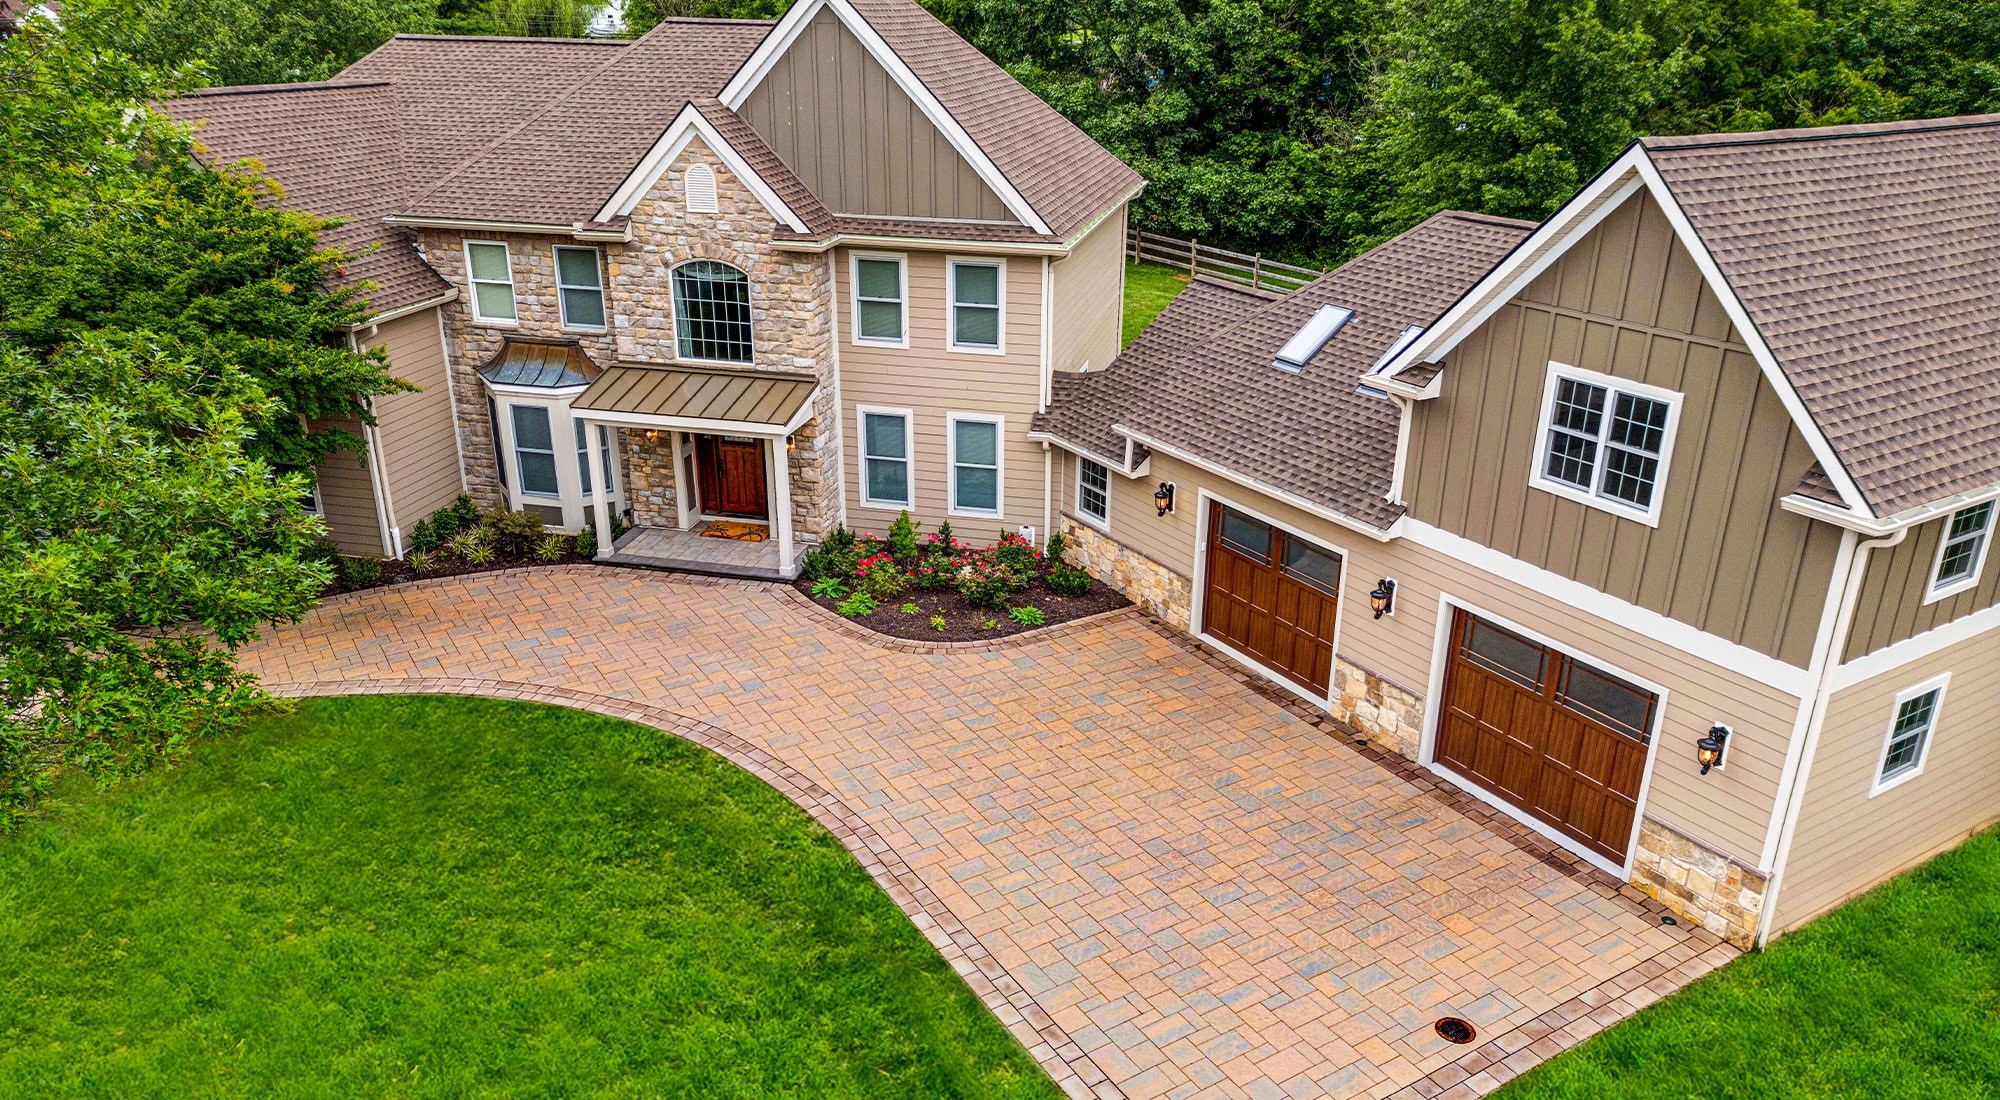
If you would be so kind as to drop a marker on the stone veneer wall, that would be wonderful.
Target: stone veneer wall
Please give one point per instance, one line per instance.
(1389, 714)
(1711, 889)
(1161, 591)
(790, 298)
(649, 478)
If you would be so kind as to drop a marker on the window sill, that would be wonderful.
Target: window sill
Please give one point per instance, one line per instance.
(998, 514)
(487, 323)
(1101, 525)
(879, 342)
(1937, 595)
(1591, 500)
(960, 349)
(887, 505)
(1883, 786)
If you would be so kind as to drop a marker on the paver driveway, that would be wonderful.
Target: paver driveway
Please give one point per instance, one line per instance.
(1211, 895)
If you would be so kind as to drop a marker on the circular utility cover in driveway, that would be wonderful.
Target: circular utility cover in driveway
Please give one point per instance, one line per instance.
(1455, 1030)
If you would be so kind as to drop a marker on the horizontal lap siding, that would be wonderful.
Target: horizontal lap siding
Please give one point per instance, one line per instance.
(1891, 607)
(418, 432)
(1088, 295)
(1730, 809)
(932, 383)
(1627, 301)
(347, 499)
(1847, 842)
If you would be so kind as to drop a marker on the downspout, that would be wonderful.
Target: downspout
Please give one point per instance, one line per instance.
(1048, 492)
(1048, 322)
(1857, 572)
(378, 487)
(839, 413)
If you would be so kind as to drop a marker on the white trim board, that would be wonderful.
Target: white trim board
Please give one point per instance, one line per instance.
(794, 24)
(1890, 658)
(1627, 175)
(686, 126)
(1713, 648)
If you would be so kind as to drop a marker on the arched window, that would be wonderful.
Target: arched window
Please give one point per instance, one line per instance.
(712, 311)
(700, 183)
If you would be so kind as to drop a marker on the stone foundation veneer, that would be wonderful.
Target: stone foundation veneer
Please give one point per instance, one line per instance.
(1161, 591)
(1708, 888)
(649, 478)
(1389, 714)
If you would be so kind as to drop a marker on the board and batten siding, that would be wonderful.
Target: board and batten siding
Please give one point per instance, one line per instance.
(417, 430)
(1627, 301)
(1730, 809)
(933, 382)
(347, 498)
(1891, 607)
(1847, 842)
(1089, 299)
(856, 139)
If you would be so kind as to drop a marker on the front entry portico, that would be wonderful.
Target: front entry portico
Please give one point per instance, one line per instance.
(727, 433)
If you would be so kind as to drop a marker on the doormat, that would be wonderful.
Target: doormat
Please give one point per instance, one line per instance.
(741, 532)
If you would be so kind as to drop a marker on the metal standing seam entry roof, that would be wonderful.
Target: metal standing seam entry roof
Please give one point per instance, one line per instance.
(752, 398)
(539, 363)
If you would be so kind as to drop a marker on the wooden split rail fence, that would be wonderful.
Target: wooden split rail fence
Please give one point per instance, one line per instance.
(1196, 258)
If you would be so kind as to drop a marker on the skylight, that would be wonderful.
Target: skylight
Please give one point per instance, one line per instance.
(1312, 337)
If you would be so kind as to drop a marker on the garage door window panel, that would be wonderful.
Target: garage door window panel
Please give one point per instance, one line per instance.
(1506, 654)
(1608, 700)
(1314, 567)
(1246, 536)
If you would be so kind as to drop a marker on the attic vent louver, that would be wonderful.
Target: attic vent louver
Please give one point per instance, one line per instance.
(1312, 337)
(700, 180)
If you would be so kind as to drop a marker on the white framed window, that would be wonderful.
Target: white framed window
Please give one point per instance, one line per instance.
(712, 312)
(1093, 493)
(978, 305)
(881, 295)
(700, 183)
(534, 451)
(1606, 442)
(1962, 551)
(887, 442)
(603, 454)
(1911, 722)
(974, 442)
(489, 267)
(580, 286)
(309, 501)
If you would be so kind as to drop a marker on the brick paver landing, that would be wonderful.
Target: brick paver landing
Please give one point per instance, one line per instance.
(1210, 895)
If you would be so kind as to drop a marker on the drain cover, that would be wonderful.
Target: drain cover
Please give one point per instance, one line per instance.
(1668, 920)
(1455, 1030)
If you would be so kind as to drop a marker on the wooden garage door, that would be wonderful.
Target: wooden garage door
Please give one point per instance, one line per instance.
(1548, 733)
(1272, 596)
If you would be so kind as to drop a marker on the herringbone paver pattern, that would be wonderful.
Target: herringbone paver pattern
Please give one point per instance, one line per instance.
(1209, 894)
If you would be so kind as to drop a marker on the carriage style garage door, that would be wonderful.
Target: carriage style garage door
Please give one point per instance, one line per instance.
(1271, 596)
(1546, 732)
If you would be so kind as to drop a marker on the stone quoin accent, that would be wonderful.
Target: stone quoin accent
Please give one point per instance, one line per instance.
(1711, 889)
(1161, 591)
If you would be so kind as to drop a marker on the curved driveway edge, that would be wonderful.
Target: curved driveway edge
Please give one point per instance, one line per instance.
(1044, 1038)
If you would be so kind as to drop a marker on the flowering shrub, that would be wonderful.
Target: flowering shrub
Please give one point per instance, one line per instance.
(1018, 554)
(878, 576)
(935, 572)
(987, 582)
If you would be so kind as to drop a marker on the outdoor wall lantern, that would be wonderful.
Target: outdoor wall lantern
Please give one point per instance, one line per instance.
(1383, 600)
(1163, 497)
(652, 434)
(790, 444)
(1708, 750)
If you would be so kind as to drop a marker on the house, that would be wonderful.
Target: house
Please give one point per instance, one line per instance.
(1663, 526)
(786, 275)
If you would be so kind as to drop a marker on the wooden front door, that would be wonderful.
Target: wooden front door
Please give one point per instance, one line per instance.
(1549, 734)
(732, 475)
(1271, 596)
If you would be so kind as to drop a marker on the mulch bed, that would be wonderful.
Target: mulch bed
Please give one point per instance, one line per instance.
(399, 572)
(966, 623)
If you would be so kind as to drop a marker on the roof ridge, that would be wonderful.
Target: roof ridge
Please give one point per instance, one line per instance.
(715, 19)
(1485, 219)
(1820, 133)
(1229, 284)
(591, 40)
(297, 86)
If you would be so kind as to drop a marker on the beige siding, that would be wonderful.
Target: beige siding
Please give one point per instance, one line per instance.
(1730, 809)
(856, 139)
(1089, 297)
(347, 499)
(417, 432)
(1892, 608)
(933, 382)
(1627, 301)
(1847, 842)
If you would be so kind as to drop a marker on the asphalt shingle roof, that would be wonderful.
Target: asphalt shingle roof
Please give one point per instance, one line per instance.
(1868, 259)
(1202, 381)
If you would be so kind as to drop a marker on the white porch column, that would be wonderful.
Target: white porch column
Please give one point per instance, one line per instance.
(683, 492)
(599, 499)
(781, 462)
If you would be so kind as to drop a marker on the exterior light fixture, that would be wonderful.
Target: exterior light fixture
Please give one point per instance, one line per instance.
(652, 434)
(1163, 497)
(1382, 601)
(1708, 750)
(790, 443)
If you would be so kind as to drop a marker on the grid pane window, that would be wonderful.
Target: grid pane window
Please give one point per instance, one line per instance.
(581, 287)
(1605, 442)
(878, 288)
(1093, 490)
(1914, 719)
(975, 466)
(535, 450)
(712, 312)
(1964, 541)
(975, 305)
(885, 456)
(492, 276)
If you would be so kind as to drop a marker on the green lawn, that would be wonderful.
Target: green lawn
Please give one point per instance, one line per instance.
(1895, 995)
(416, 897)
(1148, 289)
